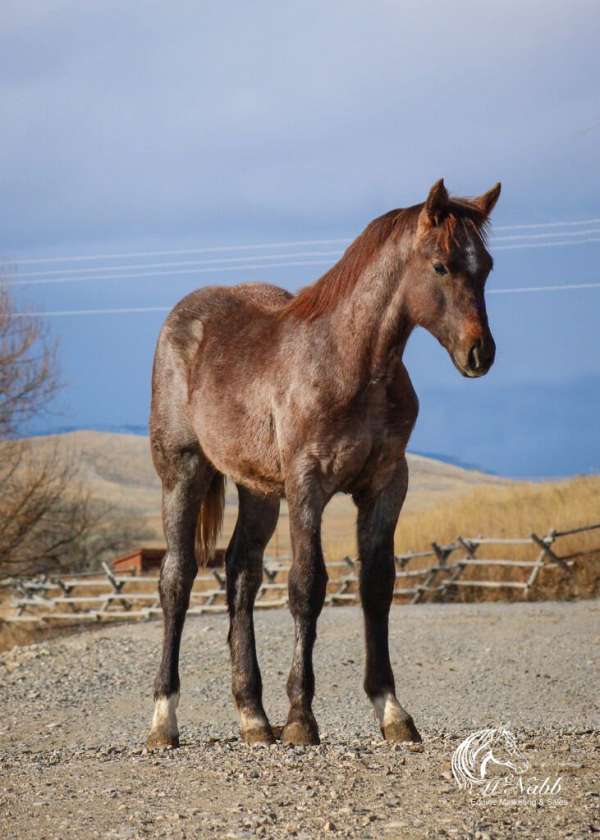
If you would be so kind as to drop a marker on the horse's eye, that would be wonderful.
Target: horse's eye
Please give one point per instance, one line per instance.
(440, 268)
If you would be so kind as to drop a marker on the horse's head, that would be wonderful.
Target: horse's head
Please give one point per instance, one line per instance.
(446, 272)
(505, 751)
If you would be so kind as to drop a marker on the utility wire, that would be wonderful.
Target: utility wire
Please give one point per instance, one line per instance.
(139, 309)
(261, 245)
(210, 250)
(545, 244)
(529, 236)
(74, 275)
(241, 260)
(198, 263)
(170, 273)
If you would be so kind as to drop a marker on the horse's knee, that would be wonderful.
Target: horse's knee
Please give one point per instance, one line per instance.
(177, 576)
(307, 591)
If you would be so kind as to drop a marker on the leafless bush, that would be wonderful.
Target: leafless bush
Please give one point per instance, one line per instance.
(48, 519)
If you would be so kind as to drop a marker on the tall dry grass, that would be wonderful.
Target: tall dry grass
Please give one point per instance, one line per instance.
(514, 511)
(511, 511)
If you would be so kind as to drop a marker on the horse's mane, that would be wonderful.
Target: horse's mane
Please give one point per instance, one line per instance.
(337, 283)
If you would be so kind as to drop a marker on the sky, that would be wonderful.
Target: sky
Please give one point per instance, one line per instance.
(130, 129)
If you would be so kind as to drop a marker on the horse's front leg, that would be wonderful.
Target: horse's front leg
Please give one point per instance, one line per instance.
(377, 517)
(307, 582)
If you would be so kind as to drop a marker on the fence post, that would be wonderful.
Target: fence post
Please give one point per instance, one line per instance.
(545, 543)
(470, 547)
(116, 585)
(441, 553)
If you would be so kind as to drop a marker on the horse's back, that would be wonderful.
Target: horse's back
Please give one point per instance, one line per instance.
(250, 301)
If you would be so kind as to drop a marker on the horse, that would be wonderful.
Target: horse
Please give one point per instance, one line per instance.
(303, 397)
(487, 746)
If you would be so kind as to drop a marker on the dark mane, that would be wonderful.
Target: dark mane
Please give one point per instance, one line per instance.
(337, 283)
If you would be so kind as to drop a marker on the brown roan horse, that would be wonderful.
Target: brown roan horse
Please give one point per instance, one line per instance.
(303, 397)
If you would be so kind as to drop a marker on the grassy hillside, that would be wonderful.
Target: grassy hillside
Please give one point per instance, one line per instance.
(118, 469)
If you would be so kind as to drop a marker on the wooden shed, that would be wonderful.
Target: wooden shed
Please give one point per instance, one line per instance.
(145, 561)
(142, 561)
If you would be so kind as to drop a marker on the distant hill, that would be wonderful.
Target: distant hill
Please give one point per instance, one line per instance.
(119, 470)
(528, 430)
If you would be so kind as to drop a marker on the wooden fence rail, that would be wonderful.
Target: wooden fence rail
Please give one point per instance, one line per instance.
(113, 596)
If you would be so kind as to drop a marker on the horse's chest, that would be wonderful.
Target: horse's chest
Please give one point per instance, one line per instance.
(370, 445)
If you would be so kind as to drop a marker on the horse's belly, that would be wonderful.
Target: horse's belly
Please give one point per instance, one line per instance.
(242, 448)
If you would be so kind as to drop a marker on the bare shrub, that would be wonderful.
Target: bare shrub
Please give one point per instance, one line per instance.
(48, 519)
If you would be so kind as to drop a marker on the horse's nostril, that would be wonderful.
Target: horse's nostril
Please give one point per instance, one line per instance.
(475, 356)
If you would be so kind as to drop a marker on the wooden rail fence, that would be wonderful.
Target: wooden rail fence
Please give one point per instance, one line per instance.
(110, 597)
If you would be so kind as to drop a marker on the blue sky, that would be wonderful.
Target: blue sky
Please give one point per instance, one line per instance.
(192, 125)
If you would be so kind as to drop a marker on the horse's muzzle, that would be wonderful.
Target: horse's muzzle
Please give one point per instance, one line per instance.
(478, 359)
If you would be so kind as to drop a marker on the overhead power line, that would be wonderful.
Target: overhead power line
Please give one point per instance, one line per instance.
(130, 310)
(241, 260)
(545, 244)
(209, 250)
(548, 225)
(199, 263)
(207, 268)
(258, 246)
(170, 273)
(530, 236)
(563, 287)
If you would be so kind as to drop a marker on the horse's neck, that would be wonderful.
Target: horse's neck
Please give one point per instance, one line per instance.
(372, 321)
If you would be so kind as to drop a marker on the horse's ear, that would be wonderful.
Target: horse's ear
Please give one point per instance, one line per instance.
(487, 201)
(436, 205)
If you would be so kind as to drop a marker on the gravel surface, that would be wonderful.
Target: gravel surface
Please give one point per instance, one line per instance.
(76, 711)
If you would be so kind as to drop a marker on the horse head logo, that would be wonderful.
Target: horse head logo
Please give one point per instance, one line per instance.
(472, 759)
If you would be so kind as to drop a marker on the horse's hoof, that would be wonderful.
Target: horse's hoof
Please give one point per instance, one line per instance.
(258, 735)
(403, 731)
(301, 734)
(162, 741)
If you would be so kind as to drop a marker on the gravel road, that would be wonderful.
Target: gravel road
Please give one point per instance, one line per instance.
(76, 712)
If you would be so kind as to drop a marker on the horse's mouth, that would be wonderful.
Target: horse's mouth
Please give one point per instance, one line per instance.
(467, 371)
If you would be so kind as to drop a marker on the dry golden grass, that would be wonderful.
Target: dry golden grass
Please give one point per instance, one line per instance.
(514, 511)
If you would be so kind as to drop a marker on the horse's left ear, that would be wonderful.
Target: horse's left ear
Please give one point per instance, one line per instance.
(436, 205)
(487, 201)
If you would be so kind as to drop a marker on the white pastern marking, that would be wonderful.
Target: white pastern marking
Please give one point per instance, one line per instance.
(165, 717)
(387, 709)
(249, 721)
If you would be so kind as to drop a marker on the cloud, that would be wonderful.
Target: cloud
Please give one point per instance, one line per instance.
(119, 116)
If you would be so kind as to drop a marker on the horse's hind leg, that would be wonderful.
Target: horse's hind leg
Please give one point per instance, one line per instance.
(377, 518)
(256, 522)
(186, 476)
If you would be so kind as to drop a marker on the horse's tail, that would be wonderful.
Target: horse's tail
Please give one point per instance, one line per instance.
(210, 520)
